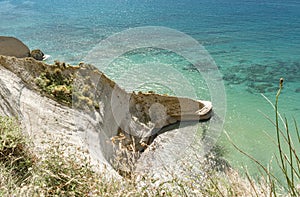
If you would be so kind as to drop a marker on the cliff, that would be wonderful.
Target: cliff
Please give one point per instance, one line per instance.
(80, 105)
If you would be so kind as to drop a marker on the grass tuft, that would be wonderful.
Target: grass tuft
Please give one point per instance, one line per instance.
(15, 156)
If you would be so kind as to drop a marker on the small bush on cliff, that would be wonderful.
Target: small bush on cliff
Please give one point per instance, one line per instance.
(56, 83)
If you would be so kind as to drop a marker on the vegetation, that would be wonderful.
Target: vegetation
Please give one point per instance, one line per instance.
(15, 156)
(23, 173)
(57, 83)
(55, 173)
(288, 159)
(58, 172)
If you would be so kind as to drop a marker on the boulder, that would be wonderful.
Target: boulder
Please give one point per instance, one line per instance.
(37, 54)
(10, 46)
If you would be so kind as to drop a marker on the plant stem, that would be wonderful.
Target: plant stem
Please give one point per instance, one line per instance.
(277, 125)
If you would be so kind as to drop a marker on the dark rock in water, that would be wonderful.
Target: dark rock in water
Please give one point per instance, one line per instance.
(37, 54)
(10, 46)
(297, 90)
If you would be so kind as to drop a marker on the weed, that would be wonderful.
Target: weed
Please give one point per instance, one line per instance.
(288, 161)
(15, 155)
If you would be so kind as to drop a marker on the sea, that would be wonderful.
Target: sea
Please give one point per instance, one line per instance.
(253, 43)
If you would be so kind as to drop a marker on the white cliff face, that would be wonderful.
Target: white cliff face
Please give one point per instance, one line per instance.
(45, 119)
(97, 111)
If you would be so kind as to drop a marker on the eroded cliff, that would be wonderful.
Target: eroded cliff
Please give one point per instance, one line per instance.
(80, 105)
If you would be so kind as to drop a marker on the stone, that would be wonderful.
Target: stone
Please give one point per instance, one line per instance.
(10, 46)
(37, 54)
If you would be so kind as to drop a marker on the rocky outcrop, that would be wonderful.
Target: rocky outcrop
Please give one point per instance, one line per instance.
(37, 54)
(10, 46)
(80, 105)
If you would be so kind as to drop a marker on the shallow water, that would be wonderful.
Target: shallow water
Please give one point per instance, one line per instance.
(253, 43)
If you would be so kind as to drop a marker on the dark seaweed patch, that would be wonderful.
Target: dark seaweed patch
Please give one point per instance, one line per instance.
(262, 78)
(234, 78)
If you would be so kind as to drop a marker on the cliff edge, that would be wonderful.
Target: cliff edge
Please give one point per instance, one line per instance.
(80, 105)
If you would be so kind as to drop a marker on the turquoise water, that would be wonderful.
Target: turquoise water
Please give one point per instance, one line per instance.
(254, 43)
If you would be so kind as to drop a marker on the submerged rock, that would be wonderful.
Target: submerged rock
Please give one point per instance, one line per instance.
(82, 106)
(11, 46)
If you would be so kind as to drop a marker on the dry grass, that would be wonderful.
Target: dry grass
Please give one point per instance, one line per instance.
(55, 173)
(52, 173)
